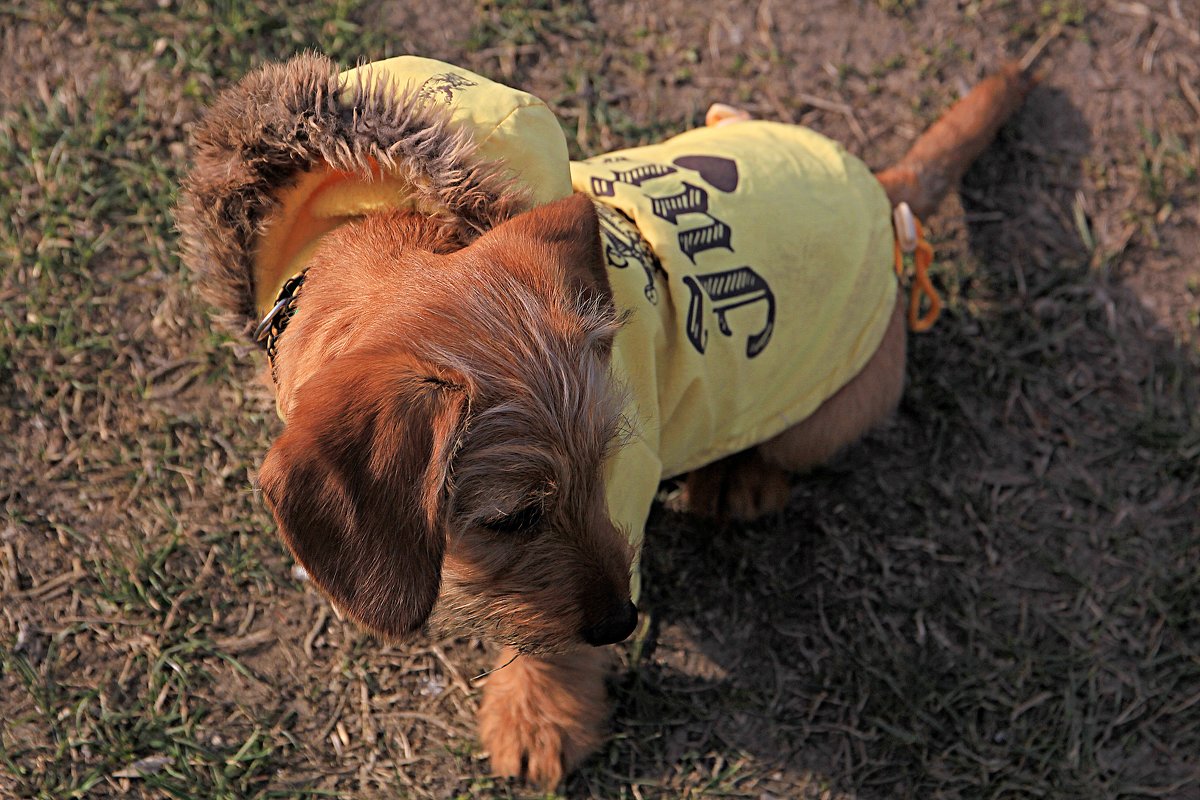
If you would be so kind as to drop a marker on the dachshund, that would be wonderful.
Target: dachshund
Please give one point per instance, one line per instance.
(487, 357)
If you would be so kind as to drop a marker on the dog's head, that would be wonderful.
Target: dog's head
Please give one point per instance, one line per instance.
(449, 412)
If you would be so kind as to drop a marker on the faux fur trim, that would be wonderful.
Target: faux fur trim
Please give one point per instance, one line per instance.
(283, 120)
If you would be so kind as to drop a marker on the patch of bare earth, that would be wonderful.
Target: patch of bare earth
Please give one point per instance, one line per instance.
(996, 596)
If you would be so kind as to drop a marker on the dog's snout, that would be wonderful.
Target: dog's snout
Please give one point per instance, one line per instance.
(613, 628)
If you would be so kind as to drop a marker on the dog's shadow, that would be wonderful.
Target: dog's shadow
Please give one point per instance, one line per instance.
(849, 642)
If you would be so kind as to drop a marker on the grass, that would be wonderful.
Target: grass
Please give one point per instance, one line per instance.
(996, 596)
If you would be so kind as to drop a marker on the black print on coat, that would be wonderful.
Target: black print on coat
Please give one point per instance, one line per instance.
(720, 173)
(700, 231)
(693, 200)
(446, 84)
(623, 245)
(690, 200)
(634, 176)
(726, 291)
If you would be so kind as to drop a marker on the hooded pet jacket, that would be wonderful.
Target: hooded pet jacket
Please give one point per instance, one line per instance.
(753, 260)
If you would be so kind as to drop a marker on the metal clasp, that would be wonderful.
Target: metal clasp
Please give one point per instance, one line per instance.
(905, 223)
(264, 326)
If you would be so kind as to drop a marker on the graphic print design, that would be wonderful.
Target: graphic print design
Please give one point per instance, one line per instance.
(726, 291)
(699, 231)
(693, 200)
(623, 244)
(635, 176)
(445, 84)
(721, 173)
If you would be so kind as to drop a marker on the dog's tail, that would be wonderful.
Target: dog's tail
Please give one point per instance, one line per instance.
(942, 154)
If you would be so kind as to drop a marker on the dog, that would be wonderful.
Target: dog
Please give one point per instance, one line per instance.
(487, 358)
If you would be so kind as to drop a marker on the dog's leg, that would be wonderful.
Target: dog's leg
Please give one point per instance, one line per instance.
(755, 482)
(741, 486)
(856, 408)
(542, 715)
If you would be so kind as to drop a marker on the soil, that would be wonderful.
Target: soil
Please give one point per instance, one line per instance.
(996, 595)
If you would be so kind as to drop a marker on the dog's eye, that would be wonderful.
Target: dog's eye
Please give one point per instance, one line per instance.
(521, 521)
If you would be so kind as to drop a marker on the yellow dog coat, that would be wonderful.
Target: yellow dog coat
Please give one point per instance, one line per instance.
(754, 262)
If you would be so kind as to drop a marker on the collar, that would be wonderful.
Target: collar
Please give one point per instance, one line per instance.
(271, 327)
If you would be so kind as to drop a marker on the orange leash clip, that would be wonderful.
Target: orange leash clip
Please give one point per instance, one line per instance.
(910, 238)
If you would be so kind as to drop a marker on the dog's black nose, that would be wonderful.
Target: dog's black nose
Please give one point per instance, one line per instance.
(613, 628)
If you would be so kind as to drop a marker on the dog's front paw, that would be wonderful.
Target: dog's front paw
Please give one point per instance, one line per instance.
(541, 717)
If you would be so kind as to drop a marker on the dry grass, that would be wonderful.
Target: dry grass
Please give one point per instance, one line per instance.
(998, 596)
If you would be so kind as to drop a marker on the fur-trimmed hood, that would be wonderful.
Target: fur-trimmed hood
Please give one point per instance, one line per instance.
(390, 134)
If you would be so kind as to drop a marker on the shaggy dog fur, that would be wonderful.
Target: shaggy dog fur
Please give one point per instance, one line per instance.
(442, 458)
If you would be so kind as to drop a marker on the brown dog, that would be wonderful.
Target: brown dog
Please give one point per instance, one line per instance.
(447, 382)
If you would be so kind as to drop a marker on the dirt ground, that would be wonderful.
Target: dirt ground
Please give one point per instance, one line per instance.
(996, 596)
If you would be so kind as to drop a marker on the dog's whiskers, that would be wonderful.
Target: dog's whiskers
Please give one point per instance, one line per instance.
(485, 673)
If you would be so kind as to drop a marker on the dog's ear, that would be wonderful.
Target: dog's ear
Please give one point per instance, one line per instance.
(571, 229)
(357, 484)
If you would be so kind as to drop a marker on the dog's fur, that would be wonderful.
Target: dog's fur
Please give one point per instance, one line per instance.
(447, 395)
